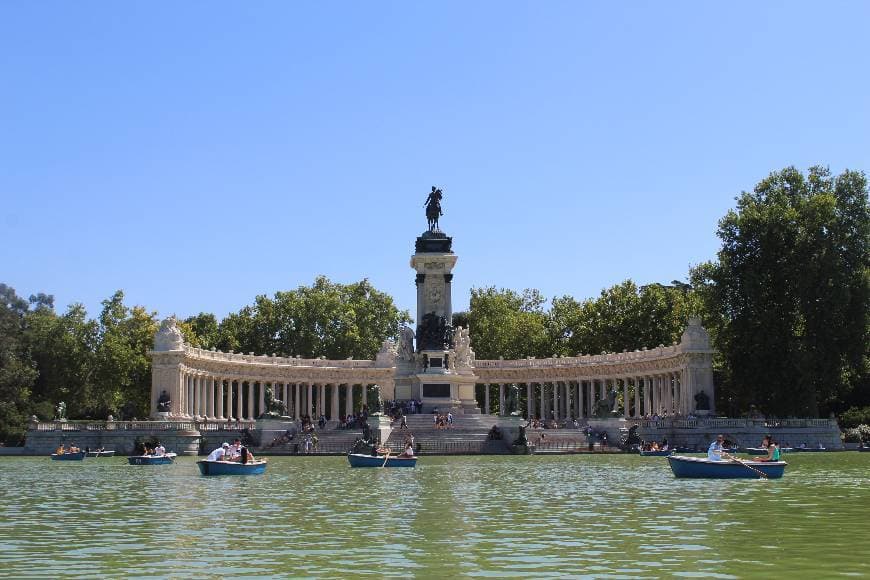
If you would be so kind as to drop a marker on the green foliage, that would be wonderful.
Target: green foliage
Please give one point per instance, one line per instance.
(789, 295)
(854, 416)
(326, 319)
(17, 370)
(201, 330)
(505, 323)
(859, 434)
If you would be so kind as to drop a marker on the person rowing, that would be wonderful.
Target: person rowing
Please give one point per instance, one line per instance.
(219, 453)
(716, 449)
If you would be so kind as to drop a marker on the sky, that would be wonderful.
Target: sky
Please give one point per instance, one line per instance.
(198, 154)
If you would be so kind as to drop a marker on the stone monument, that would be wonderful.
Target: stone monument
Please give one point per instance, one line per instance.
(435, 364)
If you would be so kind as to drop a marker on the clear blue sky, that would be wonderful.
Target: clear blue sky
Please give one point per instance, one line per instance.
(196, 154)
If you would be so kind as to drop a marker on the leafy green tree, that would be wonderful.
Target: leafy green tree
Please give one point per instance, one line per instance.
(790, 293)
(17, 370)
(325, 319)
(623, 317)
(201, 330)
(63, 349)
(507, 324)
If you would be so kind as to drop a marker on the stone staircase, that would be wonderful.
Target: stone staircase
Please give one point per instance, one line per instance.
(330, 441)
(468, 435)
(558, 441)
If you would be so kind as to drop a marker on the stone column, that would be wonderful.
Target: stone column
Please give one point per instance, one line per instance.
(348, 400)
(602, 393)
(590, 398)
(333, 413)
(555, 412)
(220, 399)
(486, 398)
(297, 401)
(365, 396)
(501, 400)
(209, 397)
(625, 398)
(308, 392)
(529, 405)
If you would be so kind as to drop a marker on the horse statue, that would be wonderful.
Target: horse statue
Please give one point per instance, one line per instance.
(433, 208)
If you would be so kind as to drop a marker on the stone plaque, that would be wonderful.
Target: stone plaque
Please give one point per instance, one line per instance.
(436, 390)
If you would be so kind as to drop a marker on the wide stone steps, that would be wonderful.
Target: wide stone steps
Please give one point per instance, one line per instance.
(329, 442)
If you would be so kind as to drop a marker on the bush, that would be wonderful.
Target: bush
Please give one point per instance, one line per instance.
(854, 417)
(859, 434)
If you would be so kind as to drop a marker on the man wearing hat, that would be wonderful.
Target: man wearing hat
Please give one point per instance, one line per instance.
(218, 454)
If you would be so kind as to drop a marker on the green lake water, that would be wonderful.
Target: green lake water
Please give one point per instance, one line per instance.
(576, 516)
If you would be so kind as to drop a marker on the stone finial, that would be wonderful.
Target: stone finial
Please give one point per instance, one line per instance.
(695, 337)
(169, 336)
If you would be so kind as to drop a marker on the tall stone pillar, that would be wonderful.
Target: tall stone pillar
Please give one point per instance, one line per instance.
(348, 400)
(297, 401)
(486, 398)
(625, 404)
(220, 401)
(555, 413)
(333, 412)
(530, 405)
(501, 400)
(262, 398)
(308, 392)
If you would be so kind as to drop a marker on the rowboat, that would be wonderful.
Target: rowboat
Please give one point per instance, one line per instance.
(101, 453)
(164, 459)
(808, 449)
(77, 456)
(207, 467)
(701, 467)
(657, 453)
(362, 460)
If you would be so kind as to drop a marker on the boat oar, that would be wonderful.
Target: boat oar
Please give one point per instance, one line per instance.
(760, 473)
(386, 458)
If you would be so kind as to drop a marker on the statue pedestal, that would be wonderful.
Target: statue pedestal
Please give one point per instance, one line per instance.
(270, 427)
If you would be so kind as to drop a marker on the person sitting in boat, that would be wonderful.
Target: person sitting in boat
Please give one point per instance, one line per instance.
(160, 450)
(664, 446)
(74, 448)
(408, 452)
(60, 450)
(773, 453)
(716, 449)
(219, 453)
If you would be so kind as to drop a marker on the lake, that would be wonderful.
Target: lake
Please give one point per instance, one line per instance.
(584, 515)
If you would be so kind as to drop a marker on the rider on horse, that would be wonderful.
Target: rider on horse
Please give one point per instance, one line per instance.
(433, 208)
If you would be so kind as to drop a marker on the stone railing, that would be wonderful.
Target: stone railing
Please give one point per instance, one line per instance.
(78, 426)
(719, 422)
(587, 359)
(217, 355)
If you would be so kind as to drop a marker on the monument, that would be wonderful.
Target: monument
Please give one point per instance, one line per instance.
(439, 369)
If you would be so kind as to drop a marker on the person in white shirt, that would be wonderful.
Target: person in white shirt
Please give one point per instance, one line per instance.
(717, 447)
(219, 453)
(160, 450)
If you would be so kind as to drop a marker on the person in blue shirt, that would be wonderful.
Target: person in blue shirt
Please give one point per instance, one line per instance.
(717, 447)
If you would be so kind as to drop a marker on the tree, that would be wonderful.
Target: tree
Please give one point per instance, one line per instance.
(624, 317)
(326, 319)
(790, 293)
(507, 324)
(17, 370)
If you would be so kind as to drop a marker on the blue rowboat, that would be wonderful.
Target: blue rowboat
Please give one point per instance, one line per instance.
(77, 456)
(701, 467)
(362, 460)
(207, 467)
(151, 459)
(659, 453)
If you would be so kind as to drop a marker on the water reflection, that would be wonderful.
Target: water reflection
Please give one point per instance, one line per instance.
(491, 516)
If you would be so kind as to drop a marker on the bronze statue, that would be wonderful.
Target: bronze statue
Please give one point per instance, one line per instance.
(164, 403)
(433, 208)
